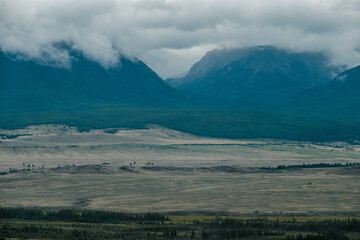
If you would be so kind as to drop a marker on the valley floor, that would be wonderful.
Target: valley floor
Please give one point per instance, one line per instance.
(162, 170)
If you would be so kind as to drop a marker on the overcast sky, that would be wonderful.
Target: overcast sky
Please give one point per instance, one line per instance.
(171, 35)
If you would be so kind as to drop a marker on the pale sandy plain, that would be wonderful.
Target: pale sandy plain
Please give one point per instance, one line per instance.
(307, 191)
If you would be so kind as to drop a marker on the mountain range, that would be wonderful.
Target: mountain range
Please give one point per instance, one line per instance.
(260, 72)
(264, 78)
(344, 87)
(338, 99)
(272, 79)
(257, 92)
(28, 84)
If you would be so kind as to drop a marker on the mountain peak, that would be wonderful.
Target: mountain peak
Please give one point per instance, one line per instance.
(26, 83)
(351, 74)
(256, 71)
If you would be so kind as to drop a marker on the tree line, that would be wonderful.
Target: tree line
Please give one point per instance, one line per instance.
(314, 165)
(89, 224)
(86, 216)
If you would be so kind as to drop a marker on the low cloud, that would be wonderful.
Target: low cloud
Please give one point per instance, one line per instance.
(171, 35)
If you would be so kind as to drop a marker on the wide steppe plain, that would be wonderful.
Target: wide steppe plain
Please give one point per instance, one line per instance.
(163, 170)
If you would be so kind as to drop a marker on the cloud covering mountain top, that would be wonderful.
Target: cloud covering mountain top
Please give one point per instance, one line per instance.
(170, 35)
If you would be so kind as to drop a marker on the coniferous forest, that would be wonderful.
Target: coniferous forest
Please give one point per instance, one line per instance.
(88, 224)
